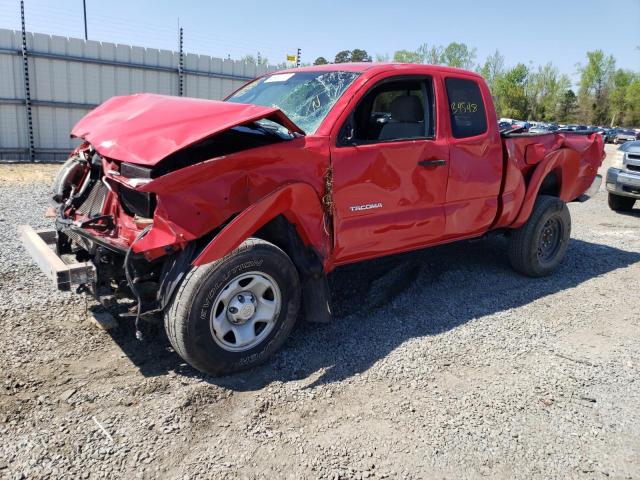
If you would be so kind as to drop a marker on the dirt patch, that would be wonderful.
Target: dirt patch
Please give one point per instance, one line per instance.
(438, 364)
(16, 173)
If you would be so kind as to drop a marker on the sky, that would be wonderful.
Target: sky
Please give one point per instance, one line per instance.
(528, 31)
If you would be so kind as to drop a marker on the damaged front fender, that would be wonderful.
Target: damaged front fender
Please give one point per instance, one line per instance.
(297, 202)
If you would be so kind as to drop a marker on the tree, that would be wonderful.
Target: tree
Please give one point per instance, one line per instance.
(633, 101)
(632, 116)
(343, 56)
(595, 85)
(511, 98)
(567, 107)
(320, 61)
(430, 55)
(458, 55)
(544, 89)
(453, 55)
(492, 68)
(605, 95)
(358, 55)
(618, 110)
(251, 59)
(406, 56)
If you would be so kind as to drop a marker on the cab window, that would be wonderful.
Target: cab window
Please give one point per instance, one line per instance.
(466, 108)
(393, 110)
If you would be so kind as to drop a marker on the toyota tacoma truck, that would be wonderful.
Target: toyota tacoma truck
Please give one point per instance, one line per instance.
(225, 217)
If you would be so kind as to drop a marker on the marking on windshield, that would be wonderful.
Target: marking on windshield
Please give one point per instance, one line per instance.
(280, 77)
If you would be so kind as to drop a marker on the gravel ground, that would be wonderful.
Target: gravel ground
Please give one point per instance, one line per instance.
(442, 363)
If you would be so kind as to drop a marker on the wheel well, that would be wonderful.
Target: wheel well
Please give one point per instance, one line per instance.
(284, 235)
(315, 287)
(550, 185)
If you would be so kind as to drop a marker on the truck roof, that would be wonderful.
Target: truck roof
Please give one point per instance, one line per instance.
(373, 68)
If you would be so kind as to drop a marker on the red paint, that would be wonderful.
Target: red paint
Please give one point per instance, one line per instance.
(296, 201)
(486, 183)
(475, 174)
(144, 128)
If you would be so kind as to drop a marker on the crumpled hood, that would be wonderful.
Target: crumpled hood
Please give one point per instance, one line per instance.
(145, 128)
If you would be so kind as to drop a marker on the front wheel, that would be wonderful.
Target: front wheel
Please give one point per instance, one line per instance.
(619, 203)
(537, 248)
(234, 313)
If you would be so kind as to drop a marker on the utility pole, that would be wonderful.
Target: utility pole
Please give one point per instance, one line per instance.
(27, 89)
(84, 8)
(180, 63)
(298, 58)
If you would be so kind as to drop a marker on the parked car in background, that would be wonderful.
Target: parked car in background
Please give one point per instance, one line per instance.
(626, 135)
(620, 135)
(539, 129)
(521, 124)
(623, 177)
(608, 136)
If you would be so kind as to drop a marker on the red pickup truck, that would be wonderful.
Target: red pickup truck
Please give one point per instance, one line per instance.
(226, 216)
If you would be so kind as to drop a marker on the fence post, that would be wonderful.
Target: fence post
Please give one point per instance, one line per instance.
(180, 65)
(27, 92)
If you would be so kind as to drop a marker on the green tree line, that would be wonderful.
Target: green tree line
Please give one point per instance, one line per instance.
(605, 95)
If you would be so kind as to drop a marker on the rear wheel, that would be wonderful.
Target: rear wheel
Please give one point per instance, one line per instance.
(234, 313)
(620, 203)
(537, 248)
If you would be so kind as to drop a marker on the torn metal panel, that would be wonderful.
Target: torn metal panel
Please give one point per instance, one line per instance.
(145, 128)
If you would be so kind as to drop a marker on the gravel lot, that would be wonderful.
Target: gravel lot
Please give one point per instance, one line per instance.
(442, 363)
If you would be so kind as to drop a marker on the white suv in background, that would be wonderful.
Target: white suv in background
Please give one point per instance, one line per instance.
(623, 177)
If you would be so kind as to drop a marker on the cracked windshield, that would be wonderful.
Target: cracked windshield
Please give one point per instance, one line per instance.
(305, 97)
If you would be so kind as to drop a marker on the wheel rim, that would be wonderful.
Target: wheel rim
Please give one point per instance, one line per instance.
(245, 311)
(550, 240)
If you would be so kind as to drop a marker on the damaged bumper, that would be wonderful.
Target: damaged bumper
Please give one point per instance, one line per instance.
(64, 273)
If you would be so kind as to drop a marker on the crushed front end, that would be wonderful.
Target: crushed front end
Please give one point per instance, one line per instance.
(99, 219)
(143, 194)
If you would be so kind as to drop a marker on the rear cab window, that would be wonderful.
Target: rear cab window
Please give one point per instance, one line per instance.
(466, 107)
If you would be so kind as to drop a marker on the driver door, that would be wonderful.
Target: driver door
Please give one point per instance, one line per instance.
(390, 172)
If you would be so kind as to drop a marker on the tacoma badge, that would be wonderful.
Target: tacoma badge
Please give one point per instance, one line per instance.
(370, 206)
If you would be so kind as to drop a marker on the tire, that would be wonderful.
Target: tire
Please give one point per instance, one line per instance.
(620, 203)
(202, 309)
(537, 248)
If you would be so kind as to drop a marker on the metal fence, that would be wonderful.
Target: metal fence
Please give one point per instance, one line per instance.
(56, 80)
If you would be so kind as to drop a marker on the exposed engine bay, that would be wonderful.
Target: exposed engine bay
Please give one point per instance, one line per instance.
(87, 205)
(103, 214)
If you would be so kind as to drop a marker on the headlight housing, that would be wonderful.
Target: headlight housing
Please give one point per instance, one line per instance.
(618, 160)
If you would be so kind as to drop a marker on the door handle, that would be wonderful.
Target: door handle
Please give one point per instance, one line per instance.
(432, 163)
